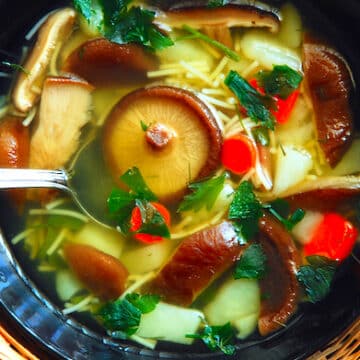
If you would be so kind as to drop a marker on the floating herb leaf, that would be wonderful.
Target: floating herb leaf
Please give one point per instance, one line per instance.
(216, 3)
(15, 67)
(204, 194)
(252, 263)
(257, 106)
(281, 81)
(123, 316)
(316, 278)
(217, 338)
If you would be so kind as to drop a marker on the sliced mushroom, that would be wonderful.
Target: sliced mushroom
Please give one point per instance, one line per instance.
(14, 149)
(100, 61)
(182, 141)
(324, 193)
(280, 283)
(52, 33)
(102, 274)
(64, 110)
(198, 261)
(329, 82)
(235, 14)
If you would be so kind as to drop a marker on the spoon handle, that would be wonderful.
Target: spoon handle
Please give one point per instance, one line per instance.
(33, 178)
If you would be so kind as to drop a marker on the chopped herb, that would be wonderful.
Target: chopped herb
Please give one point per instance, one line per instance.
(217, 338)
(204, 194)
(281, 210)
(261, 135)
(257, 105)
(144, 127)
(198, 35)
(281, 81)
(123, 24)
(316, 278)
(252, 263)
(216, 3)
(121, 204)
(153, 222)
(246, 209)
(122, 317)
(16, 67)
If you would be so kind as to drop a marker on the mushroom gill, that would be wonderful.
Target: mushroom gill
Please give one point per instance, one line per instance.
(168, 133)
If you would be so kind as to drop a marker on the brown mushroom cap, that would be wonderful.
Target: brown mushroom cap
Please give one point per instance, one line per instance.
(329, 82)
(101, 61)
(235, 14)
(181, 144)
(280, 282)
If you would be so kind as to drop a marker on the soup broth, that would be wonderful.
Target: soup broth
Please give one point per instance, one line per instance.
(228, 132)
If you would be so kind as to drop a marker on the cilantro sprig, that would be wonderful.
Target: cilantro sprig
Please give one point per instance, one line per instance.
(122, 316)
(246, 210)
(252, 263)
(204, 194)
(316, 277)
(122, 202)
(123, 24)
(280, 81)
(257, 105)
(217, 338)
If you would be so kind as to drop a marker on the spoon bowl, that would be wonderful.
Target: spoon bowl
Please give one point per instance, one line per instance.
(87, 181)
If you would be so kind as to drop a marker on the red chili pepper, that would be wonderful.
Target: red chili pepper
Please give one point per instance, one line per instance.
(136, 222)
(238, 154)
(284, 106)
(334, 238)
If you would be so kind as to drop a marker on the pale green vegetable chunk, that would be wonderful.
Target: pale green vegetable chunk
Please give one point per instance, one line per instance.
(106, 240)
(170, 323)
(290, 33)
(237, 301)
(292, 166)
(67, 285)
(269, 51)
(145, 258)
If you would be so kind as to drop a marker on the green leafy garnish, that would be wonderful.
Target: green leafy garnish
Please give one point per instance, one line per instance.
(198, 35)
(152, 221)
(204, 194)
(216, 3)
(316, 278)
(217, 338)
(16, 67)
(261, 135)
(122, 317)
(144, 126)
(281, 81)
(246, 210)
(256, 104)
(252, 263)
(121, 204)
(281, 210)
(123, 24)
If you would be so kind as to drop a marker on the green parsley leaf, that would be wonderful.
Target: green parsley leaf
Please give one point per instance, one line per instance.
(316, 278)
(198, 35)
(252, 263)
(153, 222)
(204, 193)
(134, 180)
(123, 316)
(246, 209)
(15, 67)
(217, 338)
(216, 3)
(281, 81)
(123, 24)
(256, 105)
(280, 210)
(261, 135)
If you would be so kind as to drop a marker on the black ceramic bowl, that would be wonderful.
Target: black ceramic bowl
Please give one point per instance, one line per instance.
(32, 312)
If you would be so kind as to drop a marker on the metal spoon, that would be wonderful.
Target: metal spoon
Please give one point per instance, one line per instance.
(87, 181)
